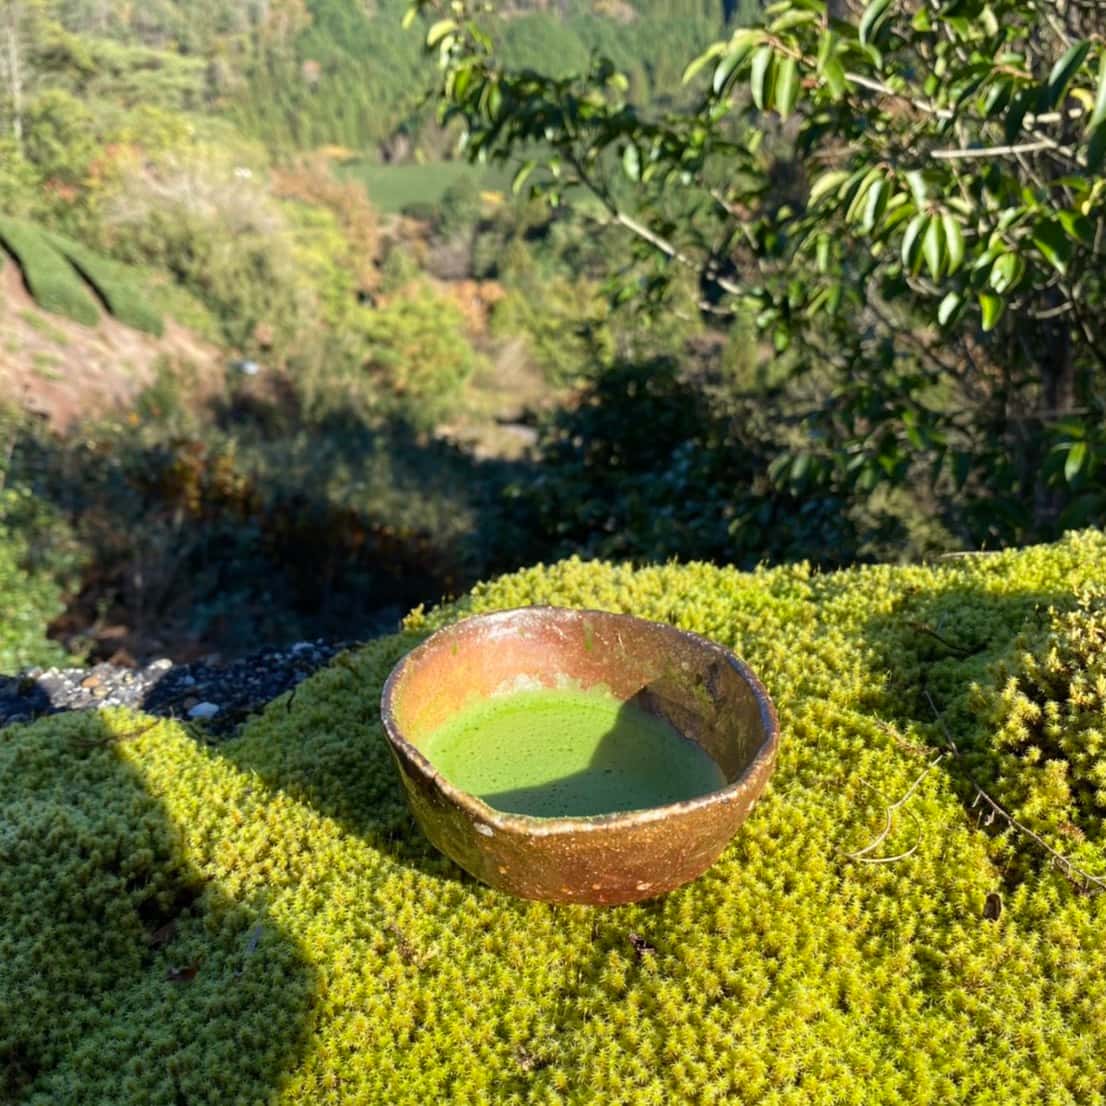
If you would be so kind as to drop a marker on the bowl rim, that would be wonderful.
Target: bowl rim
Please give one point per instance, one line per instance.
(488, 819)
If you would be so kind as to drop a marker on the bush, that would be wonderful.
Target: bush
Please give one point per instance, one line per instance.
(226, 240)
(34, 569)
(114, 285)
(263, 922)
(418, 357)
(50, 278)
(653, 461)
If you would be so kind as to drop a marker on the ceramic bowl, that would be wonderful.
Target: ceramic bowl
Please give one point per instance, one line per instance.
(701, 689)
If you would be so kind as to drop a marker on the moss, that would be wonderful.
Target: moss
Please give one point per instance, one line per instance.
(49, 277)
(338, 959)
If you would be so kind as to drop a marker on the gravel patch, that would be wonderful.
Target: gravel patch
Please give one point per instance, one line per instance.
(221, 697)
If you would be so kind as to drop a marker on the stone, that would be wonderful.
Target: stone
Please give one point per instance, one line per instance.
(201, 712)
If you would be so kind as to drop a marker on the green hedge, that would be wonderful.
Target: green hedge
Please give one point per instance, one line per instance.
(261, 921)
(50, 278)
(114, 285)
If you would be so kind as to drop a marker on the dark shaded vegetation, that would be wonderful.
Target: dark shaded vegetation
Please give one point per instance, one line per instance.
(452, 381)
(110, 982)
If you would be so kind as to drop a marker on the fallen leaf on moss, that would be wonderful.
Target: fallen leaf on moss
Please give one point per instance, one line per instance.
(182, 975)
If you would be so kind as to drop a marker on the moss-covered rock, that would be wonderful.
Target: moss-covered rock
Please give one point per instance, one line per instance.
(262, 921)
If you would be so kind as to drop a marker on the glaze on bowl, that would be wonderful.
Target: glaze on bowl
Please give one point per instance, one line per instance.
(702, 690)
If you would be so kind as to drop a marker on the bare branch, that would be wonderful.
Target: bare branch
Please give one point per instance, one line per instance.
(889, 818)
(1070, 870)
(995, 151)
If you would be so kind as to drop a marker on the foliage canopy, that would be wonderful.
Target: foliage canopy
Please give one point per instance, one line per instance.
(908, 198)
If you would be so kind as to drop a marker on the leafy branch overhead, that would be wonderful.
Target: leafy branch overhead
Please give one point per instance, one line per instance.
(943, 192)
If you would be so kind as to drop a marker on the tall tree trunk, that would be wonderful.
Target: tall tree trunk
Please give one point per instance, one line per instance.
(12, 47)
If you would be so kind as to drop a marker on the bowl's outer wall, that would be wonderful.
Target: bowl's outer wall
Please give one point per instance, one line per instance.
(702, 689)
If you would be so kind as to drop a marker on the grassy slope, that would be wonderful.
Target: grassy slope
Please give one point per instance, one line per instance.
(262, 920)
(114, 284)
(394, 187)
(50, 278)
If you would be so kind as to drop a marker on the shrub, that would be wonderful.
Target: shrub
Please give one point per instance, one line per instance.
(50, 278)
(653, 461)
(263, 922)
(34, 568)
(418, 357)
(226, 240)
(114, 284)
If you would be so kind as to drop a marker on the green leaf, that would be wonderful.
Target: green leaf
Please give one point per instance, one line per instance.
(725, 69)
(409, 16)
(873, 13)
(834, 73)
(918, 187)
(1054, 244)
(705, 58)
(1063, 71)
(787, 86)
(1015, 114)
(524, 171)
(823, 254)
(954, 241)
(992, 307)
(1078, 227)
(1096, 149)
(760, 74)
(439, 30)
(933, 246)
(631, 162)
(1006, 272)
(856, 205)
(1099, 112)
(827, 182)
(950, 305)
(874, 206)
(1074, 464)
(912, 241)
(791, 19)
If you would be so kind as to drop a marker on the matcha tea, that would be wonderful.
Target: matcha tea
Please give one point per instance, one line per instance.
(563, 753)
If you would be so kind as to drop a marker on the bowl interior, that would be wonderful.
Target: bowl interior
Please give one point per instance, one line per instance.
(697, 687)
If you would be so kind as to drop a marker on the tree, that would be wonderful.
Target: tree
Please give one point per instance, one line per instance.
(907, 194)
(16, 67)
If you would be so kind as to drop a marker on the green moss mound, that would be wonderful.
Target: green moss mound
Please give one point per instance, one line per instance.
(50, 278)
(261, 921)
(114, 284)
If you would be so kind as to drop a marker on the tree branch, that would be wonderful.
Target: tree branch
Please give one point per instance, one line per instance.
(995, 151)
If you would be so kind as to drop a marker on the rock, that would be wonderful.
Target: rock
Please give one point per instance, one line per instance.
(90, 681)
(201, 712)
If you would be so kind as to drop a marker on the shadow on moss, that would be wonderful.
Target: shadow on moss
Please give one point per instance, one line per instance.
(126, 976)
(946, 665)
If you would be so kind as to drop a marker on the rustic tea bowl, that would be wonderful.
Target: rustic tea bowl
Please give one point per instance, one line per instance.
(698, 687)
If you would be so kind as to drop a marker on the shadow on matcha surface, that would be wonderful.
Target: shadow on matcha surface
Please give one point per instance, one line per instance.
(125, 974)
